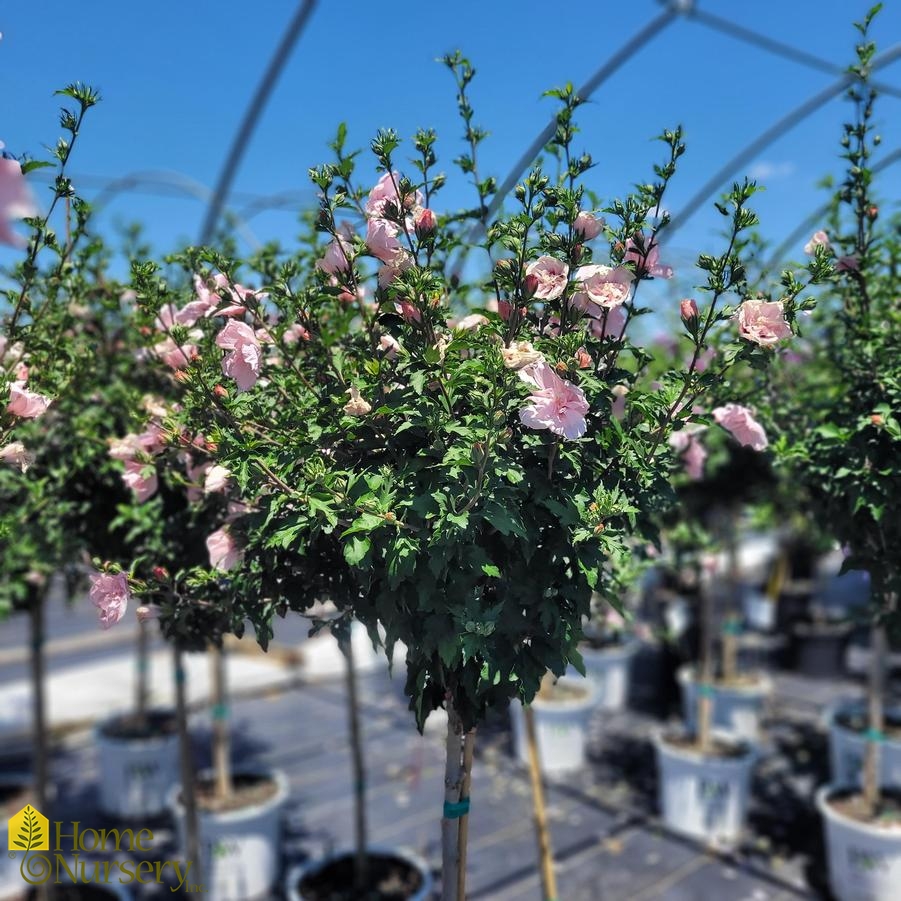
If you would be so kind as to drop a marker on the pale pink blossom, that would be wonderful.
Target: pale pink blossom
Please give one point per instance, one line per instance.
(471, 322)
(245, 358)
(389, 345)
(26, 404)
(16, 201)
(217, 479)
(15, 454)
(763, 322)
(738, 421)
(141, 478)
(295, 333)
(224, 552)
(356, 406)
(601, 288)
(610, 325)
(687, 444)
(338, 256)
(385, 191)
(618, 407)
(587, 227)
(818, 239)
(408, 312)
(177, 356)
(381, 239)
(11, 354)
(521, 354)
(388, 272)
(551, 275)
(647, 262)
(110, 594)
(557, 405)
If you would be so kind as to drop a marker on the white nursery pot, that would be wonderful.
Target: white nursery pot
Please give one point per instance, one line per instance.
(240, 850)
(864, 861)
(609, 670)
(296, 873)
(135, 775)
(703, 796)
(561, 729)
(11, 882)
(737, 709)
(848, 747)
(323, 658)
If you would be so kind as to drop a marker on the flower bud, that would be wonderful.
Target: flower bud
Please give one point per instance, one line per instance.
(160, 572)
(688, 310)
(220, 391)
(876, 419)
(425, 223)
(529, 286)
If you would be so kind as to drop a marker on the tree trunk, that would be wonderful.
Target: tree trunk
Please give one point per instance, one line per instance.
(40, 738)
(188, 792)
(454, 828)
(872, 790)
(221, 734)
(733, 602)
(141, 671)
(361, 839)
(705, 684)
(545, 854)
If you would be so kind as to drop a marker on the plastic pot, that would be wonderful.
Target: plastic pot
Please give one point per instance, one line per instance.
(847, 748)
(609, 670)
(737, 709)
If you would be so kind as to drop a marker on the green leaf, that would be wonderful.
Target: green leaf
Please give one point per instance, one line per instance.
(491, 570)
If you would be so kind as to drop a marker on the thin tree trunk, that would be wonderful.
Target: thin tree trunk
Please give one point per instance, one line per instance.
(142, 664)
(188, 789)
(361, 843)
(875, 695)
(730, 636)
(469, 741)
(40, 738)
(221, 733)
(545, 854)
(705, 685)
(457, 770)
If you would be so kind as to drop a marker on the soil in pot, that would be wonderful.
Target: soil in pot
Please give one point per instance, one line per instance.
(857, 721)
(561, 692)
(717, 748)
(77, 893)
(739, 680)
(392, 879)
(134, 727)
(249, 789)
(852, 805)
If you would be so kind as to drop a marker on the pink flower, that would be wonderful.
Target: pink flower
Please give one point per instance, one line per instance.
(338, 257)
(295, 333)
(217, 479)
(224, 553)
(818, 238)
(738, 421)
(15, 454)
(763, 322)
(389, 345)
(16, 201)
(178, 356)
(409, 313)
(587, 227)
(425, 223)
(647, 260)
(618, 407)
(552, 275)
(390, 271)
(686, 443)
(557, 405)
(245, 358)
(381, 239)
(583, 358)
(607, 326)
(110, 595)
(141, 478)
(471, 322)
(601, 288)
(688, 310)
(24, 403)
(385, 192)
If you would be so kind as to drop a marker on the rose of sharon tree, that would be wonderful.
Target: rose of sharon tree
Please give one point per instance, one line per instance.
(456, 482)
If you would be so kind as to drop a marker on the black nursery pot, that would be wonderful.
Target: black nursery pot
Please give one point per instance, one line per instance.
(818, 649)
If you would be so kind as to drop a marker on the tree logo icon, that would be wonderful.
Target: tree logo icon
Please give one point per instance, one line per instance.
(29, 830)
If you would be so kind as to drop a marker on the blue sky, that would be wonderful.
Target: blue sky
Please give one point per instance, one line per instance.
(177, 76)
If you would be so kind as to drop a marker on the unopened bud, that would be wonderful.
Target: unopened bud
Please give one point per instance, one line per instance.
(220, 391)
(529, 286)
(876, 419)
(688, 310)
(425, 224)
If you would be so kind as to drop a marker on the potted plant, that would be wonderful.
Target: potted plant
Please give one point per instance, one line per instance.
(470, 476)
(845, 442)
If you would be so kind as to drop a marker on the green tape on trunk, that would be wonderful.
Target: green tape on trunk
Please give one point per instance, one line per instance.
(874, 735)
(705, 690)
(219, 711)
(453, 810)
